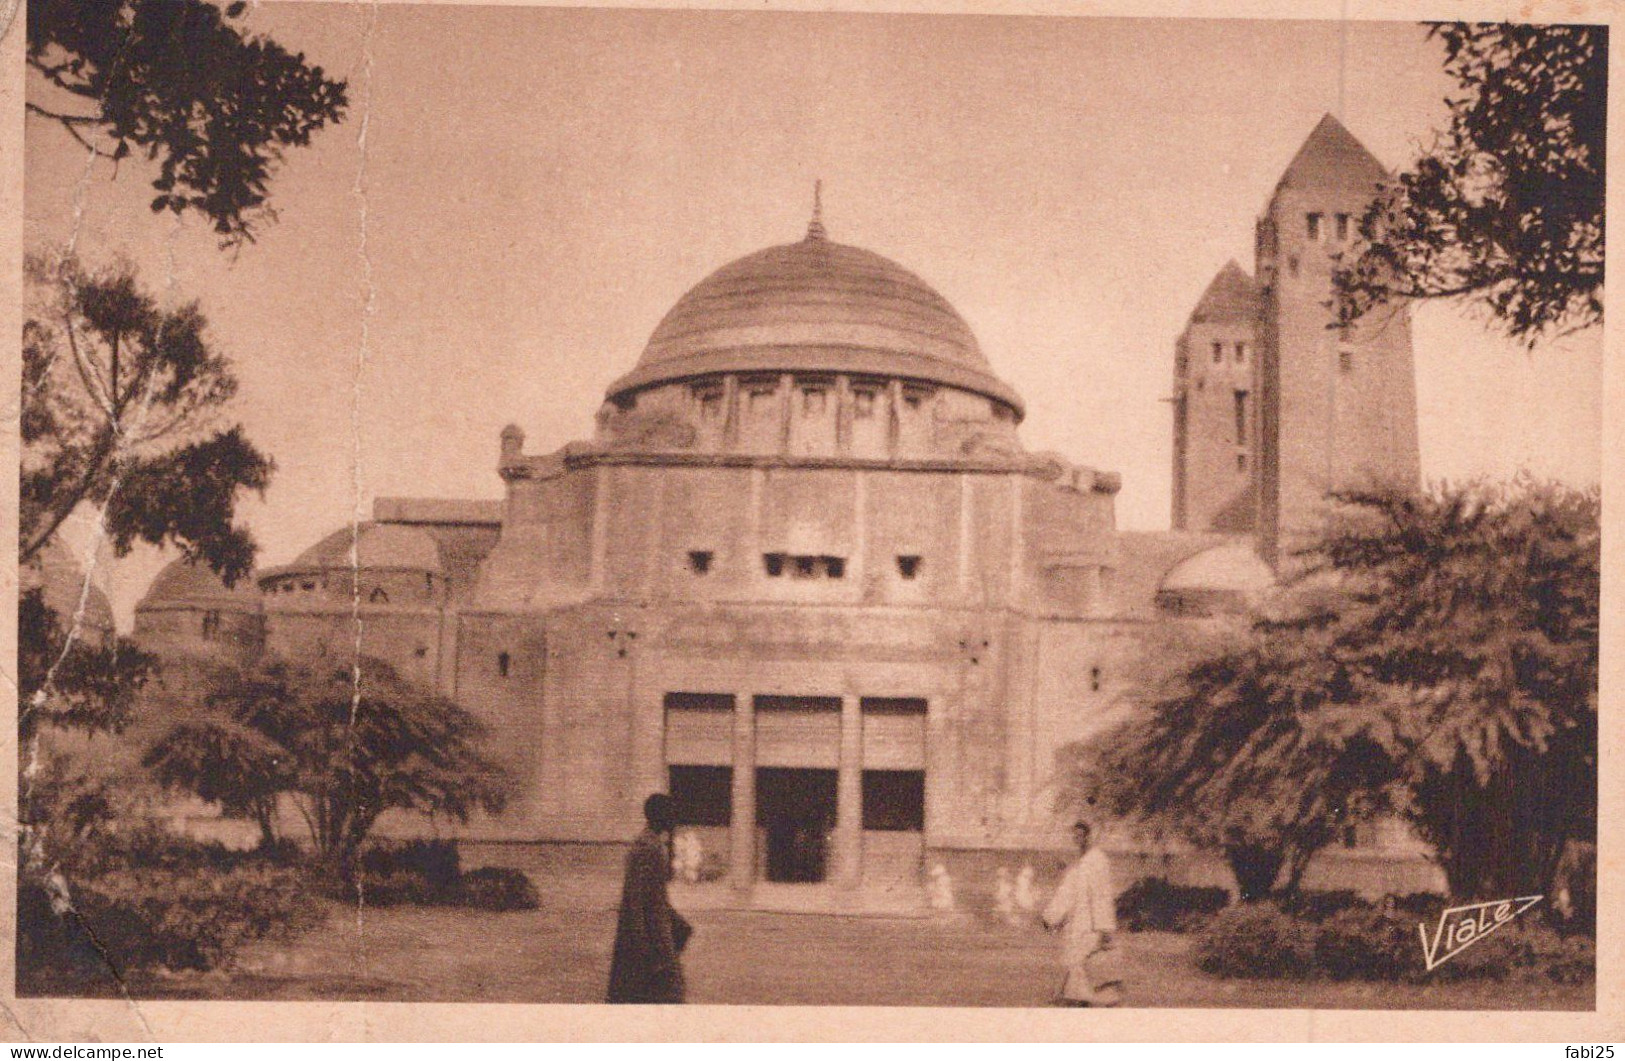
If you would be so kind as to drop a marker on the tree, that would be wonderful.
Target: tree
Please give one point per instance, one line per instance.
(1437, 656)
(344, 745)
(1506, 209)
(214, 106)
(1476, 610)
(76, 683)
(120, 399)
(1221, 755)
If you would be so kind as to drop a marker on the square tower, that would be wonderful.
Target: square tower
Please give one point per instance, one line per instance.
(1215, 408)
(1338, 406)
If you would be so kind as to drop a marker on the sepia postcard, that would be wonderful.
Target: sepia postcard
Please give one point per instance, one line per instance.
(964, 522)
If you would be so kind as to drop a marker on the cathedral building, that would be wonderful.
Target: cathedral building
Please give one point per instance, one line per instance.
(806, 577)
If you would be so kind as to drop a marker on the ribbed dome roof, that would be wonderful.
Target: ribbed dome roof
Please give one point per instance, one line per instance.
(182, 582)
(378, 545)
(815, 306)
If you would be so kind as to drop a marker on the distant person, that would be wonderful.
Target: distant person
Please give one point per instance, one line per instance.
(1084, 910)
(650, 935)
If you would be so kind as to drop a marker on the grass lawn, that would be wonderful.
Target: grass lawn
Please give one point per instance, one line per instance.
(560, 953)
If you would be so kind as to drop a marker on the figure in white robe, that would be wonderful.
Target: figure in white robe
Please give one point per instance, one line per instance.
(1083, 910)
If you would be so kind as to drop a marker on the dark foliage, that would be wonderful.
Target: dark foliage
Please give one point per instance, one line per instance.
(1318, 906)
(78, 683)
(344, 744)
(119, 397)
(499, 888)
(140, 897)
(177, 81)
(1507, 208)
(429, 873)
(1475, 613)
(1365, 944)
(1256, 941)
(1155, 904)
(1381, 943)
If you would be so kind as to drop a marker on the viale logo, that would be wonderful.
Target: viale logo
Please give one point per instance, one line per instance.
(1462, 926)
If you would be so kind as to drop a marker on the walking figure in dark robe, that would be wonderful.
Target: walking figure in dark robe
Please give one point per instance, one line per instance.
(650, 935)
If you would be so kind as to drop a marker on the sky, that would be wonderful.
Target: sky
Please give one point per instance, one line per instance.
(517, 196)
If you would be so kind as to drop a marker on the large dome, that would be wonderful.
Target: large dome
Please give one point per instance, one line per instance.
(815, 306)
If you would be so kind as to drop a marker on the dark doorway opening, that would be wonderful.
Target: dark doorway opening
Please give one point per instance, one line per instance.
(796, 810)
(703, 794)
(894, 801)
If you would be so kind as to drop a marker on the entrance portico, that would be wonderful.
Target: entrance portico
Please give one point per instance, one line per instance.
(785, 822)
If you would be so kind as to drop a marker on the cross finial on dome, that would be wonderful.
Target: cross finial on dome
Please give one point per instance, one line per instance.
(815, 228)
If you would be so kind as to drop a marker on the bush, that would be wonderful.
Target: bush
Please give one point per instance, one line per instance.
(1364, 944)
(499, 888)
(1258, 941)
(435, 861)
(1319, 906)
(177, 918)
(1155, 904)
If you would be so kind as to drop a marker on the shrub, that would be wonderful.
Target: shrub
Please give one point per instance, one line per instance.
(1424, 906)
(1363, 944)
(178, 918)
(499, 888)
(1256, 940)
(1318, 906)
(1155, 904)
(435, 861)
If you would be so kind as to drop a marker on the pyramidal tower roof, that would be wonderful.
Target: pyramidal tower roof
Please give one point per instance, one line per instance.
(1231, 296)
(1332, 159)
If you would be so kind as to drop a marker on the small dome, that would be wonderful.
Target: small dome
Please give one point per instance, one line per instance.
(816, 306)
(1235, 567)
(377, 545)
(183, 582)
(55, 570)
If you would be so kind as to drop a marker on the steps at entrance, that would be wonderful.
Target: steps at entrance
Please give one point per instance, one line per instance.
(828, 899)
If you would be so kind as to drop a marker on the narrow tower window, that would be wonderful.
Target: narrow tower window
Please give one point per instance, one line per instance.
(1342, 227)
(1241, 353)
(504, 662)
(1314, 228)
(1218, 353)
(1094, 679)
(1345, 358)
(1241, 418)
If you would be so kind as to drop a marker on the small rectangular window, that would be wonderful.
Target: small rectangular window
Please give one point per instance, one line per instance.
(805, 566)
(699, 561)
(1218, 353)
(1314, 228)
(835, 566)
(1342, 227)
(1241, 353)
(773, 564)
(908, 566)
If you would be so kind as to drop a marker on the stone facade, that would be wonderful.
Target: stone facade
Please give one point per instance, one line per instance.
(805, 576)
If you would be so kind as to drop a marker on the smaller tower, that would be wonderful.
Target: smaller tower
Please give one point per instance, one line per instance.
(1215, 408)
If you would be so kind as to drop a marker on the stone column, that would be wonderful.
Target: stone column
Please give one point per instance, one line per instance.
(742, 829)
(849, 796)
